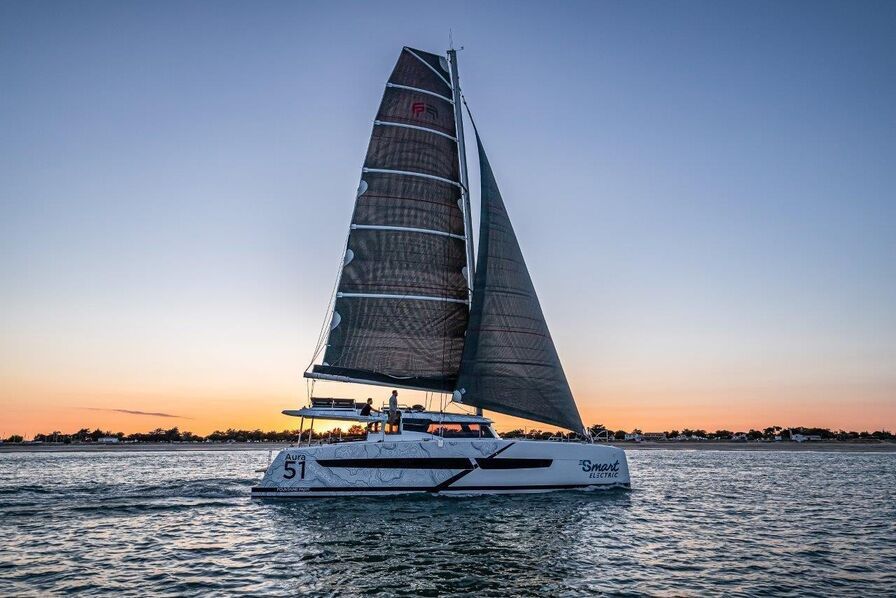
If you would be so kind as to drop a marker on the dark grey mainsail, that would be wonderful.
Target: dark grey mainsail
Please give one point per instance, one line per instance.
(510, 364)
(401, 306)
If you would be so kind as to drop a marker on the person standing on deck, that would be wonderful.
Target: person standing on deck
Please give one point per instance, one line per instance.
(393, 411)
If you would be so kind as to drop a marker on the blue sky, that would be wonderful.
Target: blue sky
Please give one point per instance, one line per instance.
(704, 192)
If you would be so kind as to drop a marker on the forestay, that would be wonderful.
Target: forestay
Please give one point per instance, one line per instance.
(401, 305)
(510, 364)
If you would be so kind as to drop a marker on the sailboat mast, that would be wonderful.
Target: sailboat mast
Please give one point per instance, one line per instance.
(462, 156)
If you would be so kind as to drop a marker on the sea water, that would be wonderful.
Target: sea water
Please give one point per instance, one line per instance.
(695, 522)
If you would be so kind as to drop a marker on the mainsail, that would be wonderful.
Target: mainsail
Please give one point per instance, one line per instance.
(509, 362)
(401, 307)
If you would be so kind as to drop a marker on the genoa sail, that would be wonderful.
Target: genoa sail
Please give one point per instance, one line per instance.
(401, 307)
(509, 363)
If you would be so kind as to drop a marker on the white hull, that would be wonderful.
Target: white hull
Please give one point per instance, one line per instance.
(446, 467)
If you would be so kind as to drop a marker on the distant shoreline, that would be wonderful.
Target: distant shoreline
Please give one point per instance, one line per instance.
(877, 446)
(708, 445)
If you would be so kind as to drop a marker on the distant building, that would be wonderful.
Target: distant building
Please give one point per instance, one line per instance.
(653, 436)
(805, 437)
(108, 440)
(635, 437)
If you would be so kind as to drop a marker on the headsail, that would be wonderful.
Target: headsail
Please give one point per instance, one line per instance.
(510, 364)
(401, 306)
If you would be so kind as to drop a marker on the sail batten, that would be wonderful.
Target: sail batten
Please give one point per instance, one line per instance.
(417, 89)
(509, 363)
(384, 123)
(402, 306)
(424, 231)
(401, 297)
(416, 174)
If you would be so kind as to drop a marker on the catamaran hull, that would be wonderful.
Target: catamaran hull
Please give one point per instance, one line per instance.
(451, 467)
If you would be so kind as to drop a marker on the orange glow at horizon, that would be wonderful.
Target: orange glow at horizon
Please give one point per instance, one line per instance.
(43, 408)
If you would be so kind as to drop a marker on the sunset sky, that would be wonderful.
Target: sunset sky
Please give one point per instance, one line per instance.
(705, 193)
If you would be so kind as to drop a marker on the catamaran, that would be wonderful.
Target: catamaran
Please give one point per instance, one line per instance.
(411, 312)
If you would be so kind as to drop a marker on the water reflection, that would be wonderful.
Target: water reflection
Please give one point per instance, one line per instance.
(695, 522)
(461, 543)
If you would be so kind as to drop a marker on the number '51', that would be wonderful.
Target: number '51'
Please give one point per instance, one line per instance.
(290, 470)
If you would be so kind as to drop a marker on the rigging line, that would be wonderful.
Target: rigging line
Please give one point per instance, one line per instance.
(463, 98)
(331, 306)
(469, 409)
(322, 333)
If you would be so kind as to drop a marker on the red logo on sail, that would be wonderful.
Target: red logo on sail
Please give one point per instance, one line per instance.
(421, 108)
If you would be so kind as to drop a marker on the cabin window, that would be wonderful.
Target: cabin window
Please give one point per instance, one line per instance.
(461, 430)
(417, 425)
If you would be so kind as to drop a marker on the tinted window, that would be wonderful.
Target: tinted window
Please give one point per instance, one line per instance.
(416, 425)
(463, 430)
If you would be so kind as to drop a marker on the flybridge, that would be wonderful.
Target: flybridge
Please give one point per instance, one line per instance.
(410, 310)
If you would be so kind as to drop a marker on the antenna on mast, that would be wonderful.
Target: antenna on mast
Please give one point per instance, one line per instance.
(451, 41)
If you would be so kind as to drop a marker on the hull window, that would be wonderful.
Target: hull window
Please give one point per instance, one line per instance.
(513, 463)
(399, 463)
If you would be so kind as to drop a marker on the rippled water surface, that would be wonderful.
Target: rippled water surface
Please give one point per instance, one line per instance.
(182, 523)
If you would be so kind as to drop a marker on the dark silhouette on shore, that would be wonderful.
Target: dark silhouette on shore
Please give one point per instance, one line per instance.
(597, 431)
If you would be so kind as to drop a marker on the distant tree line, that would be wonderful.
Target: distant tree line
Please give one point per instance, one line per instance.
(176, 435)
(597, 430)
(770, 433)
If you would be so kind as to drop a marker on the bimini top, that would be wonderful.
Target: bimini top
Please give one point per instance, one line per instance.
(402, 313)
(349, 410)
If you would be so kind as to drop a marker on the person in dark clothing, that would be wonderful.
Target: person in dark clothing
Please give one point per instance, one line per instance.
(366, 409)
